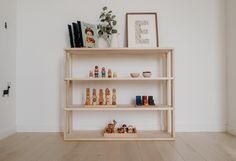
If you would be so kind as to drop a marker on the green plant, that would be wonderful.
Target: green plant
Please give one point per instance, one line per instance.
(107, 24)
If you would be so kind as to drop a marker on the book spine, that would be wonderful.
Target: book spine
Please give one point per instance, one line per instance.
(71, 36)
(76, 34)
(80, 34)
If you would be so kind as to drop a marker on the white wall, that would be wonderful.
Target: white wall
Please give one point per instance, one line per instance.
(231, 57)
(195, 28)
(7, 66)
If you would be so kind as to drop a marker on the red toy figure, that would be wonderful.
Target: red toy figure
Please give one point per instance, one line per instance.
(145, 101)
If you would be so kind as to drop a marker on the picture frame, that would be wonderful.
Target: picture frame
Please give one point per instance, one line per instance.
(89, 35)
(142, 30)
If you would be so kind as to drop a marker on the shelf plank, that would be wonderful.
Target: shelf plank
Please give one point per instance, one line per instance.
(98, 135)
(121, 79)
(119, 108)
(117, 51)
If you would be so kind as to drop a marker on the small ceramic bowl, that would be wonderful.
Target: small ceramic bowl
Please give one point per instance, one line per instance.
(147, 74)
(134, 75)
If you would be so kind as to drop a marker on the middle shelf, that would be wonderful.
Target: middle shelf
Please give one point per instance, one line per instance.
(123, 107)
(121, 79)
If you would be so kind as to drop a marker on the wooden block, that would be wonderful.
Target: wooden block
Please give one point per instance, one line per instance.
(120, 135)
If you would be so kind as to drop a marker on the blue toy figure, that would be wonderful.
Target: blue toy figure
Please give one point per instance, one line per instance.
(139, 101)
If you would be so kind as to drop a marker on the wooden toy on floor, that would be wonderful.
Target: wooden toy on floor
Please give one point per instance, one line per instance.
(111, 127)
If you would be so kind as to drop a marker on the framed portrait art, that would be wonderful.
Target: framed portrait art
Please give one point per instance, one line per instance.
(142, 30)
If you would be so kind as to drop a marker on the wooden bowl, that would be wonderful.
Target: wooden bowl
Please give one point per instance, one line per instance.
(134, 75)
(147, 74)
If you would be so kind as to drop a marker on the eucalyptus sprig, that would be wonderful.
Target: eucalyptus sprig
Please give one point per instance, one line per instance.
(107, 24)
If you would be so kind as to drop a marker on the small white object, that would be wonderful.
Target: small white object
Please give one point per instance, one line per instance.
(114, 41)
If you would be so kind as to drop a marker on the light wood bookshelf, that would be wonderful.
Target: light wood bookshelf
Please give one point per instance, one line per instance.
(168, 109)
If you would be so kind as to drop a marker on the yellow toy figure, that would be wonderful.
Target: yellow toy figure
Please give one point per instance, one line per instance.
(107, 96)
(87, 102)
(101, 97)
(94, 97)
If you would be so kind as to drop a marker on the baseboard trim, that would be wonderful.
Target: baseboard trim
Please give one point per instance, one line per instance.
(7, 132)
(231, 130)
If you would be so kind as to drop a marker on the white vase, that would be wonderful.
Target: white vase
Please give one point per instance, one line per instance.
(102, 43)
(114, 41)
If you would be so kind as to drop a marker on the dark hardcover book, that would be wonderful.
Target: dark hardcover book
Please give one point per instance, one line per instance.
(80, 34)
(76, 34)
(71, 36)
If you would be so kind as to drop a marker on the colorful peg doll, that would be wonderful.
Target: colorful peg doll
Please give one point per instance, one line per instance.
(96, 72)
(103, 72)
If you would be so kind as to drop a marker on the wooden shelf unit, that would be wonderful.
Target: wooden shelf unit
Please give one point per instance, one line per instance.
(169, 109)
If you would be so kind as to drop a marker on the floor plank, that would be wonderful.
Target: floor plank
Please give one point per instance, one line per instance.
(52, 147)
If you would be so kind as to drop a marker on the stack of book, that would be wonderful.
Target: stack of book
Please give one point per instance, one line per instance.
(83, 34)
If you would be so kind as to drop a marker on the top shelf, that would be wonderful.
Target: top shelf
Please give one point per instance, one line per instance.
(118, 51)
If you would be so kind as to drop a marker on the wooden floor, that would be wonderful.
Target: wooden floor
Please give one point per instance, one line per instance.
(51, 147)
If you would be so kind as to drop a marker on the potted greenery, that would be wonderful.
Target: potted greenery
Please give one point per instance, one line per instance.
(106, 27)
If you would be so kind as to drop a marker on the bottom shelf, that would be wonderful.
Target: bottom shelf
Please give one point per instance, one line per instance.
(98, 135)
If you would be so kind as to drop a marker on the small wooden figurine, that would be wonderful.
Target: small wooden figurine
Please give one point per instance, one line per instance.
(90, 74)
(87, 102)
(94, 97)
(109, 73)
(103, 72)
(145, 101)
(114, 75)
(107, 94)
(96, 72)
(111, 127)
(130, 129)
(151, 101)
(139, 101)
(113, 96)
(101, 97)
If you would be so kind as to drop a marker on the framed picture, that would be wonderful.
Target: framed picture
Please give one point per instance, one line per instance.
(141, 30)
(89, 35)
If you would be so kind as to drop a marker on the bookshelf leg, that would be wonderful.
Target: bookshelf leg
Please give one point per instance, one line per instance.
(172, 123)
(166, 120)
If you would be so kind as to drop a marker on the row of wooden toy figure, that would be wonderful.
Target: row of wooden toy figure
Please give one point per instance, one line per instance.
(145, 101)
(104, 74)
(111, 128)
(100, 98)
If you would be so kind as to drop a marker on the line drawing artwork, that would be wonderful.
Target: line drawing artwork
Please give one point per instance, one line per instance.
(140, 31)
